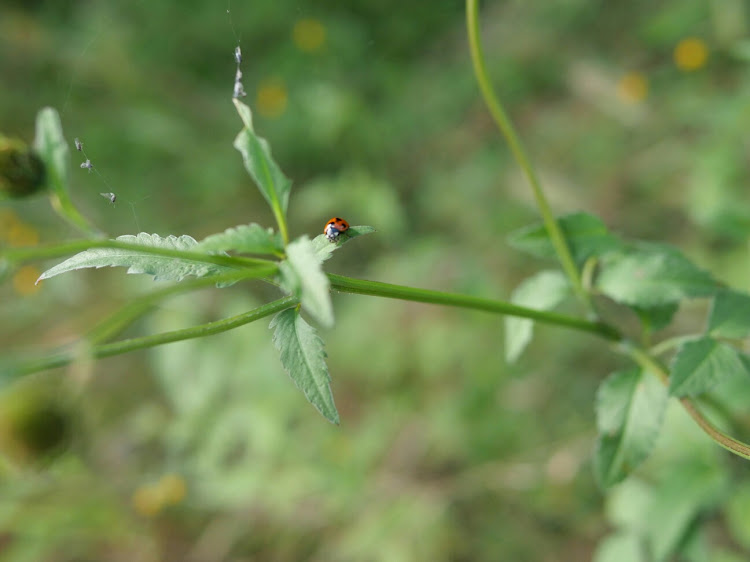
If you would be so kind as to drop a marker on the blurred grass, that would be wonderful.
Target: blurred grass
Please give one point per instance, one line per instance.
(445, 452)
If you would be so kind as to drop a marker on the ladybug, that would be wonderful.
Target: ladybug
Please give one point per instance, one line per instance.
(334, 227)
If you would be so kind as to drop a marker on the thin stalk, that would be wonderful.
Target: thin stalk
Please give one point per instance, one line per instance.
(281, 222)
(650, 364)
(126, 346)
(506, 127)
(669, 344)
(64, 207)
(377, 289)
(117, 322)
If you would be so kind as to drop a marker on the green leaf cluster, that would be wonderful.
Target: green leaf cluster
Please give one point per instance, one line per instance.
(239, 253)
(652, 280)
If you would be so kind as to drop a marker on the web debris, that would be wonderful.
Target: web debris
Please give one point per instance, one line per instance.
(110, 195)
(87, 165)
(239, 89)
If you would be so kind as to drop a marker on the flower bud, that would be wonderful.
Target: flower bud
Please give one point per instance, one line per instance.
(21, 170)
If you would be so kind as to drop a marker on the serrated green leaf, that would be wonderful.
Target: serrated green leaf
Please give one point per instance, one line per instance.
(302, 276)
(649, 275)
(730, 315)
(586, 235)
(256, 154)
(629, 411)
(324, 248)
(543, 291)
(161, 267)
(245, 238)
(701, 364)
(303, 357)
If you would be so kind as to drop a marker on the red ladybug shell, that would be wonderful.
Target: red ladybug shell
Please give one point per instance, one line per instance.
(334, 227)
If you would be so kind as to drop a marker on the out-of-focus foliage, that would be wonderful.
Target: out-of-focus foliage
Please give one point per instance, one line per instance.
(636, 112)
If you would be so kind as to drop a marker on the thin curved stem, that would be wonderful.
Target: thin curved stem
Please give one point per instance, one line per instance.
(506, 128)
(125, 346)
(63, 206)
(378, 289)
(650, 364)
(121, 319)
(669, 344)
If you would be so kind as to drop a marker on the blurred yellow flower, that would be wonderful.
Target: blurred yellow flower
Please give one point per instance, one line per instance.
(147, 500)
(8, 220)
(309, 35)
(690, 54)
(24, 279)
(21, 234)
(632, 87)
(173, 488)
(272, 98)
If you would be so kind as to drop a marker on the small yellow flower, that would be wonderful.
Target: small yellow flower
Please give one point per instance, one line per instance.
(309, 35)
(24, 279)
(691, 54)
(173, 489)
(8, 220)
(147, 500)
(272, 98)
(150, 499)
(632, 87)
(21, 234)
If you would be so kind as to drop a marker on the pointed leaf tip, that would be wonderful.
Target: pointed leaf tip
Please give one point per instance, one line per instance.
(303, 357)
(259, 163)
(630, 407)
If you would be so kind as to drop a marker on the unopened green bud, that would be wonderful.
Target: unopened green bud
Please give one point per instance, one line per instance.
(21, 170)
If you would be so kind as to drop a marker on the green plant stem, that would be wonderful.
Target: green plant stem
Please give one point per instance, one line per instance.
(113, 325)
(377, 289)
(647, 362)
(125, 346)
(64, 207)
(59, 250)
(281, 222)
(669, 344)
(514, 142)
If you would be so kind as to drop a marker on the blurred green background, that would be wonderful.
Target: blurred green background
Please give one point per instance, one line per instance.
(205, 451)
